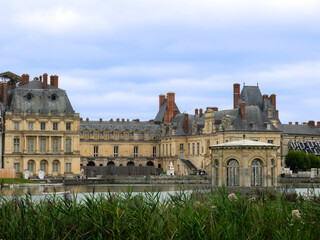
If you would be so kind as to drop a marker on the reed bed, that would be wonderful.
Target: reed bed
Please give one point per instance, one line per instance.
(196, 215)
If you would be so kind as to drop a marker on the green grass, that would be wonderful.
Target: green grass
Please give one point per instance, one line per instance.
(214, 215)
(16, 181)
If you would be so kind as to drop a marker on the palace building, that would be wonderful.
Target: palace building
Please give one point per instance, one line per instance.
(242, 146)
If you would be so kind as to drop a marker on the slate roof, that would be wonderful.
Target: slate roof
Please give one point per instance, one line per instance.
(31, 97)
(252, 96)
(121, 126)
(178, 123)
(160, 115)
(299, 129)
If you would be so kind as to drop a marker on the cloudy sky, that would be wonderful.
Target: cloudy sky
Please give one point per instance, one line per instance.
(114, 57)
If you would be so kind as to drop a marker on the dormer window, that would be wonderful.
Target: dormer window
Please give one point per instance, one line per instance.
(53, 97)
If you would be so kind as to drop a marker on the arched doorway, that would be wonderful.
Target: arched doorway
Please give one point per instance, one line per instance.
(256, 173)
(232, 173)
(44, 165)
(31, 167)
(130, 164)
(150, 164)
(159, 165)
(111, 163)
(100, 165)
(91, 163)
(55, 167)
(216, 172)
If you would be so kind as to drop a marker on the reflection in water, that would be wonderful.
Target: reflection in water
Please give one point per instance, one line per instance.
(39, 189)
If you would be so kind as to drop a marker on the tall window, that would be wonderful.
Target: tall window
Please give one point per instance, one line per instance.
(43, 145)
(270, 141)
(135, 151)
(232, 173)
(55, 166)
(16, 144)
(30, 166)
(68, 167)
(95, 151)
(68, 126)
(16, 125)
(162, 149)
(256, 173)
(30, 145)
(166, 150)
(43, 126)
(30, 125)
(17, 167)
(43, 165)
(193, 149)
(55, 126)
(55, 145)
(198, 149)
(216, 171)
(154, 151)
(181, 146)
(272, 172)
(188, 149)
(68, 145)
(170, 150)
(116, 151)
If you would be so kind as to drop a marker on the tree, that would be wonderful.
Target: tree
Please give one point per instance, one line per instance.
(297, 160)
(314, 160)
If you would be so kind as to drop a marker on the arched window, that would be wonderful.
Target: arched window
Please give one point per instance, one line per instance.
(150, 164)
(31, 167)
(111, 163)
(55, 166)
(232, 173)
(256, 173)
(130, 164)
(272, 172)
(91, 163)
(43, 165)
(216, 172)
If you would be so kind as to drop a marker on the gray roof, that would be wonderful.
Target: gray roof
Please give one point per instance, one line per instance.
(299, 129)
(121, 126)
(160, 115)
(31, 97)
(252, 96)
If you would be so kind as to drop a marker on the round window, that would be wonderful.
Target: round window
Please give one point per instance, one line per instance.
(29, 97)
(53, 97)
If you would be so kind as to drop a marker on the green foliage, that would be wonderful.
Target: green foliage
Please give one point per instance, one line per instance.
(314, 160)
(16, 181)
(198, 215)
(297, 160)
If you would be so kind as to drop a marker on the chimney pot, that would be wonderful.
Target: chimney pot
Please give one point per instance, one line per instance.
(51, 80)
(127, 119)
(122, 120)
(318, 124)
(273, 101)
(55, 81)
(81, 119)
(297, 123)
(290, 123)
(118, 119)
(87, 119)
(162, 98)
(311, 123)
(100, 119)
(201, 112)
(196, 111)
(111, 120)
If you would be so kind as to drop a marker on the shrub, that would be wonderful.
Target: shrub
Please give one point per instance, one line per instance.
(297, 160)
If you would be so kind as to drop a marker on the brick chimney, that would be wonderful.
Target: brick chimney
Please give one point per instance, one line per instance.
(51, 80)
(55, 81)
(171, 104)
(318, 124)
(5, 94)
(196, 111)
(290, 123)
(162, 98)
(45, 81)
(201, 112)
(87, 119)
(277, 112)
(265, 96)
(311, 123)
(215, 109)
(296, 123)
(24, 79)
(118, 119)
(236, 94)
(243, 110)
(273, 101)
(100, 120)
(186, 123)
(40, 78)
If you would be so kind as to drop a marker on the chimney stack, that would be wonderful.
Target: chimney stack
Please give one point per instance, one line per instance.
(87, 119)
(296, 123)
(45, 81)
(290, 123)
(186, 123)
(243, 110)
(118, 119)
(236, 94)
(311, 123)
(277, 112)
(273, 101)
(201, 112)
(51, 80)
(196, 111)
(5, 94)
(24, 79)
(318, 124)
(100, 119)
(171, 104)
(55, 81)
(162, 98)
